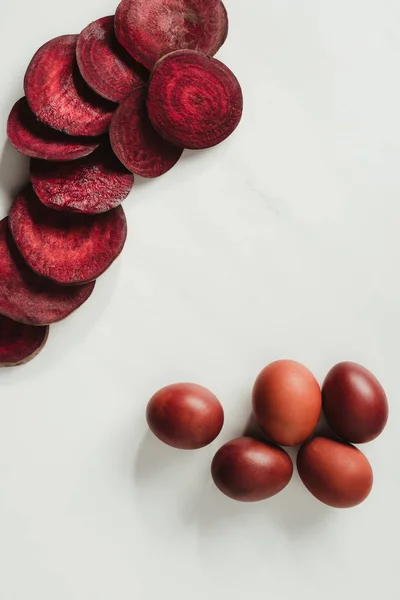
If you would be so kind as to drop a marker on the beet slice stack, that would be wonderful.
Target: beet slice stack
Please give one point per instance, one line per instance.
(135, 141)
(123, 97)
(33, 138)
(28, 298)
(150, 29)
(105, 65)
(194, 101)
(19, 343)
(94, 184)
(58, 95)
(65, 247)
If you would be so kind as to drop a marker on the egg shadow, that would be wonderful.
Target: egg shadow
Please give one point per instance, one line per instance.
(152, 458)
(14, 172)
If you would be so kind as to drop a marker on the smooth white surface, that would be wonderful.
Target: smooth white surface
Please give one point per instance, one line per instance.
(282, 242)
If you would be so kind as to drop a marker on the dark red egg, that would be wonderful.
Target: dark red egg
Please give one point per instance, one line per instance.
(354, 403)
(185, 415)
(336, 473)
(249, 470)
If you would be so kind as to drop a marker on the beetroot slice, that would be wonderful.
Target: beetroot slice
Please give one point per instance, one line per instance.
(58, 95)
(104, 64)
(194, 101)
(19, 343)
(91, 185)
(135, 141)
(28, 298)
(149, 29)
(66, 247)
(33, 138)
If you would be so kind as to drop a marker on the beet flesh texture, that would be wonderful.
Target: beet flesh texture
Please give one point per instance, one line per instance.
(34, 139)
(28, 298)
(135, 141)
(104, 64)
(65, 247)
(91, 185)
(58, 95)
(150, 29)
(194, 101)
(19, 343)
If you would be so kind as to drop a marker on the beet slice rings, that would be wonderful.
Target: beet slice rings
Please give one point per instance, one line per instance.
(58, 95)
(65, 247)
(105, 66)
(122, 98)
(150, 29)
(194, 101)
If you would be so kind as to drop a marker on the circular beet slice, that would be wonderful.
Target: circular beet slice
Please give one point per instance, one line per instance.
(104, 64)
(149, 29)
(91, 185)
(58, 95)
(33, 138)
(194, 101)
(66, 247)
(135, 141)
(19, 343)
(28, 298)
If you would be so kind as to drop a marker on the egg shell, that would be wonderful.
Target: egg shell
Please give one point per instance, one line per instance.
(185, 415)
(354, 403)
(287, 402)
(249, 470)
(336, 473)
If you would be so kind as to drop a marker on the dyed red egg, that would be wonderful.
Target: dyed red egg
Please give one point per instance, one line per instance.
(185, 415)
(336, 473)
(287, 402)
(354, 403)
(249, 470)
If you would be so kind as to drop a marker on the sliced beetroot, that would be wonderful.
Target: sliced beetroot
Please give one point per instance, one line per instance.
(66, 247)
(135, 141)
(91, 185)
(28, 298)
(104, 64)
(33, 138)
(149, 29)
(194, 101)
(19, 343)
(58, 95)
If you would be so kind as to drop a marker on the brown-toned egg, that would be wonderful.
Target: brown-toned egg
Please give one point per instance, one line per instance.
(249, 470)
(287, 402)
(185, 415)
(354, 403)
(336, 473)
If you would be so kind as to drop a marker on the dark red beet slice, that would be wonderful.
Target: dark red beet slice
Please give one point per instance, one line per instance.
(135, 141)
(66, 247)
(28, 298)
(33, 138)
(149, 29)
(194, 101)
(91, 185)
(104, 64)
(19, 343)
(58, 95)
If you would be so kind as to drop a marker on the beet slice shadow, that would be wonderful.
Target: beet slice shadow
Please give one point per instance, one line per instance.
(91, 185)
(34, 139)
(28, 298)
(20, 343)
(58, 95)
(194, 101)
(104, 64)
(149, 29)
(135, 141)
(67, 248)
